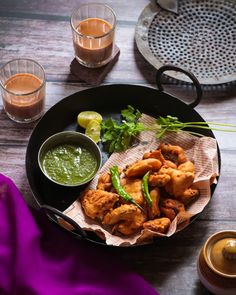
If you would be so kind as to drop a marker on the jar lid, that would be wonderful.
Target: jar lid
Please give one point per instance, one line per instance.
(220, 253)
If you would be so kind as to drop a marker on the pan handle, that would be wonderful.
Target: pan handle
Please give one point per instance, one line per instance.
(68, 223)
(196, 83)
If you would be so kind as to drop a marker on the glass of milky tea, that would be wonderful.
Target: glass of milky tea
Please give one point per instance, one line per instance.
(22, 83)
(93, 30)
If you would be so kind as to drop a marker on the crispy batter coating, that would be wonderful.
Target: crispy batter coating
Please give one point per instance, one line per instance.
(166, 170)
(187, 167)
(154, 210)
(180, 181)
(130, 227)
(170, 208)
(173, 153)
(123, 212)
(104, 182)
(159, 180)
(189, 195)
(159, 225)
(134, 188)
(156, 154)
(96, 203)
(170, 164)
(139, 168)
(170, 184)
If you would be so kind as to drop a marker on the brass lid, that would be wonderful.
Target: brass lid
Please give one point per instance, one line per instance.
(220, 253)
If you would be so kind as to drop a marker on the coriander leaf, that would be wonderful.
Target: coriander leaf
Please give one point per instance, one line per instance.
(131, 114)
(120, 136)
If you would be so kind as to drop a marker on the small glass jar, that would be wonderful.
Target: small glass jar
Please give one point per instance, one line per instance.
(217, 263)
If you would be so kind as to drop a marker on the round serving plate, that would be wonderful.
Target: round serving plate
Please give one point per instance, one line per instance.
(200, 38)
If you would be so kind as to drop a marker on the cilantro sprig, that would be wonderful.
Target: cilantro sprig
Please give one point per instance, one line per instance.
(120, 136)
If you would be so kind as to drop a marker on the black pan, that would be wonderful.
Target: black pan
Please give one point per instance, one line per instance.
(108, 100)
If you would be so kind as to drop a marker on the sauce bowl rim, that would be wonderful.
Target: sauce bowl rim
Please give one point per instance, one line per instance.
(98, 157)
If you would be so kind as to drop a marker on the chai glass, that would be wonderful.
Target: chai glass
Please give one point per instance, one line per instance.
(93, 30)
(23, 89)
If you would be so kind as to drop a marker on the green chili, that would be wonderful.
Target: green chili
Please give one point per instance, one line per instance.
(145, 189)
(115, 177)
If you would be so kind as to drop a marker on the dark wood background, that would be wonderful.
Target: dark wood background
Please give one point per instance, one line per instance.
(41, 30)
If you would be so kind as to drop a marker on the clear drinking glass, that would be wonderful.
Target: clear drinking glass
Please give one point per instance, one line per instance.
(23, 89)
(93, 29)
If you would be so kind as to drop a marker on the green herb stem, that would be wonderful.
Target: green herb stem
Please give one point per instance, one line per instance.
(205, 127)
(210, 123)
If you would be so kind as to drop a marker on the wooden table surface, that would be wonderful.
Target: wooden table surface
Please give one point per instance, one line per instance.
(41, 30)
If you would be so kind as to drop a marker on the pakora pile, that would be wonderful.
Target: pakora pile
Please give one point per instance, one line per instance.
(146, 194)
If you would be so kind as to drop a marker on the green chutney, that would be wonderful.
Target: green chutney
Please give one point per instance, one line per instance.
(69, 164)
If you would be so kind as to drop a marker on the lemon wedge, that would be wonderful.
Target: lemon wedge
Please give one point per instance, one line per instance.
(93, 130)
(85, 117)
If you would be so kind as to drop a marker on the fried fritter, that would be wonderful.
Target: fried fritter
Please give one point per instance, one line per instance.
(188, 196)
(96, 203)
(139, 168)
(134, 188)
(154, 210)
(104, 182)
(124, 212)
(156, 154)
(159, 225)
(180, 181)
(170, 164)
(174, 153)
(170, 208)
(159, 180)
(166, 170)
(130, 227)
(187, 167)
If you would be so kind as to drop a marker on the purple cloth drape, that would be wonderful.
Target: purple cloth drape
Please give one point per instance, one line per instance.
(36, 257)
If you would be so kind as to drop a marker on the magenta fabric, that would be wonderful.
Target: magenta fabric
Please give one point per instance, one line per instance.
(37, 257)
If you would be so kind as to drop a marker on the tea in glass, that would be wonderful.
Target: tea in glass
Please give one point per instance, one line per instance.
(23, 89)
(93, 28)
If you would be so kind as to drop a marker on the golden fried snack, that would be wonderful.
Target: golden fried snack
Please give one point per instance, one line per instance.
(180, 181)
(139, 168)
(174, 153)
(170, 208)
(96, 203)
(159, 225)
(188, 196)
(156, 154)
(134, 188)
(159, 180)
(154, 210)
(104, 182)
(166, 170)
(187, 167)
(130, 227)
(123, 212)
(170, 164)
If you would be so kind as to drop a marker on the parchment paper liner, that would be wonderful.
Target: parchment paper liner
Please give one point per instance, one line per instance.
(201, 150)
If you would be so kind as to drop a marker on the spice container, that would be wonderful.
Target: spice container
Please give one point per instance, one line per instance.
(217, 263)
